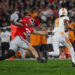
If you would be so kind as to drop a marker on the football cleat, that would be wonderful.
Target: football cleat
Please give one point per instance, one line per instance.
(41, 60)
(73, 64)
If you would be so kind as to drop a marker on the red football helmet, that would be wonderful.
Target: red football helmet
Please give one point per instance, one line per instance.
(29, 21)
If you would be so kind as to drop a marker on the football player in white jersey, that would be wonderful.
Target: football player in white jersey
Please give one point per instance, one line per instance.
(60, 29)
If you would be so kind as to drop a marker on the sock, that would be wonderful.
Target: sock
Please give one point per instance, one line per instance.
(72, 54)
(45, 54)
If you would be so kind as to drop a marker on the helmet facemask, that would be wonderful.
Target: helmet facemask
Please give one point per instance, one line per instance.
(31, 22)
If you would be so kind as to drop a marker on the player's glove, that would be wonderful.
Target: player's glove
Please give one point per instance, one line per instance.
(73, 64)
(51, 33)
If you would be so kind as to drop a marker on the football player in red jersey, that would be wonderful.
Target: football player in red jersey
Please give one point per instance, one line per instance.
(25, 27)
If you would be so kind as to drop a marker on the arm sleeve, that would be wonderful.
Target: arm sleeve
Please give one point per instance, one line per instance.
(67, 18)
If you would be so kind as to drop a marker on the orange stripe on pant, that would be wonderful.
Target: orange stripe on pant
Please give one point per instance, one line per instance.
(67, 40)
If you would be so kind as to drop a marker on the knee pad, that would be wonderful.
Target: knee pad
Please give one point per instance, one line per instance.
(11, 53)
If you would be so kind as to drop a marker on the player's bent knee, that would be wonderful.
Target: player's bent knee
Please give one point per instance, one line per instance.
(11, 53)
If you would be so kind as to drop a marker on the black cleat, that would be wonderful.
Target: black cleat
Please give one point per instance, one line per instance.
(41, 60)
(73, 64)
(44, 60)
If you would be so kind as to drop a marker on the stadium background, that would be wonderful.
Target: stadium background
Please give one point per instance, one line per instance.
(43, 12)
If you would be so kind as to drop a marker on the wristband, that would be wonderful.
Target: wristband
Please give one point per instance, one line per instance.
(49, 33)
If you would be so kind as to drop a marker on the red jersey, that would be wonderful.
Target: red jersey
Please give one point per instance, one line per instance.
(25, 30)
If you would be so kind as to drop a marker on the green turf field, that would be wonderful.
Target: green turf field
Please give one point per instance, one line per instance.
(32, 67)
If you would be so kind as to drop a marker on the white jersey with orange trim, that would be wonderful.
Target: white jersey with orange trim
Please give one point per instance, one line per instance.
(59, 24)
(59, 29)
(60, 35)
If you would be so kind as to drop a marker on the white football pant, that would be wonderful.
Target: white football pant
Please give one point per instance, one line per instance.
(61, 37)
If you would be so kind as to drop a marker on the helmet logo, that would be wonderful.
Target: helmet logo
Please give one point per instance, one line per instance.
(63, 11)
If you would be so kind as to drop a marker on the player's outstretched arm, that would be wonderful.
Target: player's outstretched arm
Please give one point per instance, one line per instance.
(67, 25)
(71, 28)
(42, 32)
(18, 24)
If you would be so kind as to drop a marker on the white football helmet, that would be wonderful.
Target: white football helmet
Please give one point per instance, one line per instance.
(14, 17)
(63, 11)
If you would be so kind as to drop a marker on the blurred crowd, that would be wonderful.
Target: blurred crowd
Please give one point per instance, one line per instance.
(44, 13)
(41, 10)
